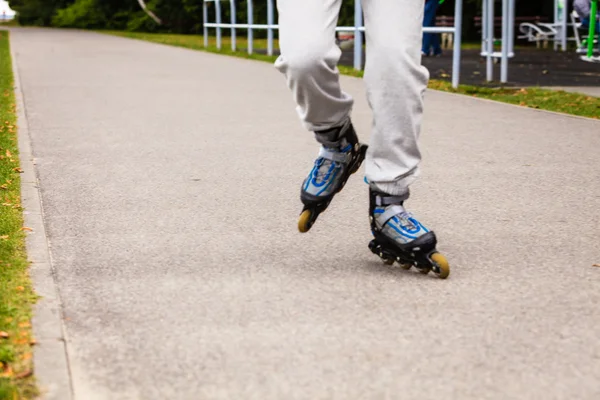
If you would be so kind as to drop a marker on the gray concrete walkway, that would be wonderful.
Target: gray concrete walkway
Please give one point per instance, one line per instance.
(170, 182)
(590, 91)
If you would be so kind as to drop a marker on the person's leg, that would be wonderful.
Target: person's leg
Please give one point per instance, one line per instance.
(435, 38)
(428, 20)
(396, 81)
(435, 43)
(585, 26)
(309, 58)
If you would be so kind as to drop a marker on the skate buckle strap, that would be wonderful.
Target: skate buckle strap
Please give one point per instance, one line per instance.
(335, 155)
(388, 200)
(390, 212)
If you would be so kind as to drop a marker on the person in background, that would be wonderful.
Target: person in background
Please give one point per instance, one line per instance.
(431, 41)
(583, 9)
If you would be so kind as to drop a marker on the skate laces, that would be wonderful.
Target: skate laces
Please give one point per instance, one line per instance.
(329, 160)
(324, 169)
(408, 220)
(397, 215)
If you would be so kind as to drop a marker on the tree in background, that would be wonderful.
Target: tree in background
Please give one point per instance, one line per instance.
(36, 12)
(185, 16)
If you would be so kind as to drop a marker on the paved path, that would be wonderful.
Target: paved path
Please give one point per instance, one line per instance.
(170, 183)
(589, 90)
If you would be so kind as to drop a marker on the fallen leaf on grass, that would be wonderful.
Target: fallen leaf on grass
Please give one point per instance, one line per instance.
(24, 374)
(4, 335)
(4, 237)
(8, 372)
(8, 154)
(19, 170)
(20, 288)
(25, 228)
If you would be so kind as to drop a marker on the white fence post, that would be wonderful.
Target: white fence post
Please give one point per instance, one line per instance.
(270, 29)
(250, 23)
(233, 18)
(458, 10)
(358, 36)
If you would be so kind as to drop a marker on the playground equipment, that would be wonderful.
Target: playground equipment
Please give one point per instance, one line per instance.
(557, 31)
(488, 40)
(358, 30)
(589, 57)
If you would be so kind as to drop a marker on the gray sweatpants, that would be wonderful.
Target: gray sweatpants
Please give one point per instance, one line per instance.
(394, 78)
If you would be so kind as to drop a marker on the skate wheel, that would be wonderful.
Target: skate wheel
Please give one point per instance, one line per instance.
(424, 271)
(406, 266)
(388, 261)
(441, 268)
(305, 222)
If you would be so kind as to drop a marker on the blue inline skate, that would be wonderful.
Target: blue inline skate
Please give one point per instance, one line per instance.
(400, 237)
(341, 156)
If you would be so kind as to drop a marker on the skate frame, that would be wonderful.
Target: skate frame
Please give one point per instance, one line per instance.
(358, 30)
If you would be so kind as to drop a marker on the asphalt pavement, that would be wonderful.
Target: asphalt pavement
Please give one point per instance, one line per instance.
(170, 186)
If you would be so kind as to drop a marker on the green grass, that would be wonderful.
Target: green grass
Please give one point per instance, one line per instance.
(12, 22)
(543, 99)
(16, 292)
(197, 42)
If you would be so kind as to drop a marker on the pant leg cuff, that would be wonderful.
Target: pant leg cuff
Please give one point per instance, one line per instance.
(395, 188)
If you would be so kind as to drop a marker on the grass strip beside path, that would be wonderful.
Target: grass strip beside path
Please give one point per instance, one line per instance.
(16, 292)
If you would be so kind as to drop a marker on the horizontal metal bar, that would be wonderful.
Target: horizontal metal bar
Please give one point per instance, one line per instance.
(431, 29)
(338, 29)
(496, 54)
(241, 26)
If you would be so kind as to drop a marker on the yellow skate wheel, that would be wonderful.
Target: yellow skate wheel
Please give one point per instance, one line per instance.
(441, 262)
(388, 261)
(304, 223)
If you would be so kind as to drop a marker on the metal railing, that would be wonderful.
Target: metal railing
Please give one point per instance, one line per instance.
(487, 37)
(358, 30)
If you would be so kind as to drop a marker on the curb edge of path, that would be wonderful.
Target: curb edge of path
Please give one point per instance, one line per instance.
(50, 359)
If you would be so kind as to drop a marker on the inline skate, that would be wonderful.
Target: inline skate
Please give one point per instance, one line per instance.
(399, 237)
(340, 156)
